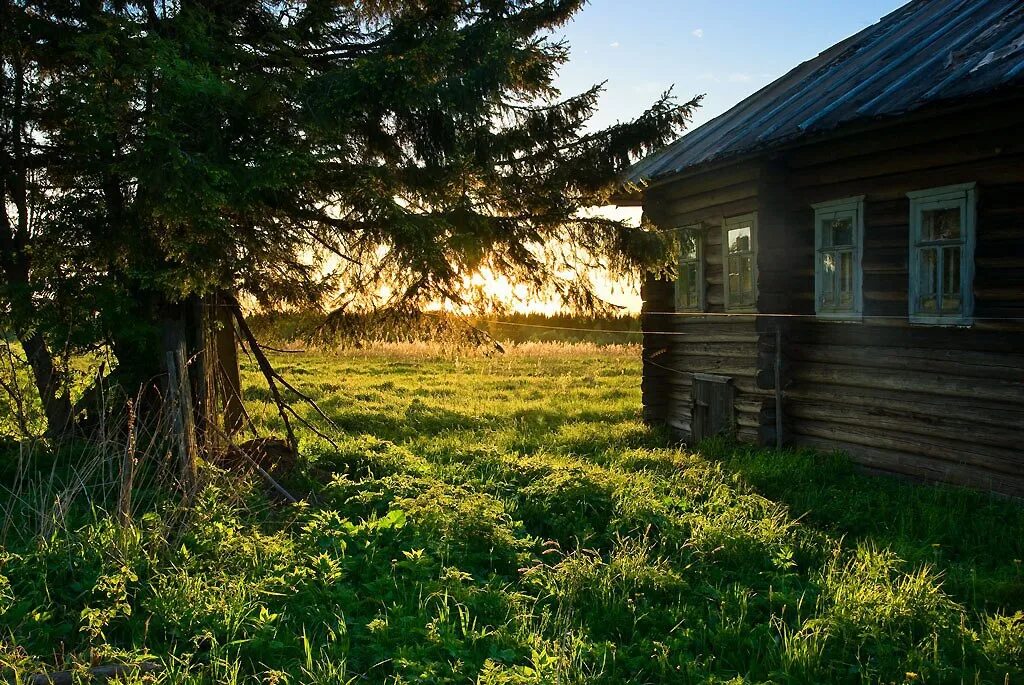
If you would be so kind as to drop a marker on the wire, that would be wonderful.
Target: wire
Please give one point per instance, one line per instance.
(862, 317)
(725, 315)
(569, 328)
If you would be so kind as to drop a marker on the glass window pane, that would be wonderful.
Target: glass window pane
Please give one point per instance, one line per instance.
(739, 239)
(741, 280)
(940, 224)
(825, 230)
(688, 248)
(951, 284)
(841, 231)
(746, 274)
(927, 281)
(846, 279)
(828, 279)
(686, 290)
(692, 286)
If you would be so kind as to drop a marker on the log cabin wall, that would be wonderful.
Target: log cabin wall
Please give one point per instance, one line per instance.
(658, 295)
(931, 402)
(702, 344)
(938, 403)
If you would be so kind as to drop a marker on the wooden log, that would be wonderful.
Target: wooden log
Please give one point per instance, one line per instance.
(1004, 440)
(1007, 367)
(750, 436)
(1002, 169)
(971, 150)
(686, 348)
(928, 128)
(898, 463)
(669, 216)
(698, 337)
(704, 181)
(908, 380)
(750, 405)
(720, 366)
(745, 387)
(981, 414)
(991, 459)
(748, 420)
(899, 333)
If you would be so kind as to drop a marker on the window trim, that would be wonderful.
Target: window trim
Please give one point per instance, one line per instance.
(695, 230)
(964, 197)
(844, 206)
(733, 222)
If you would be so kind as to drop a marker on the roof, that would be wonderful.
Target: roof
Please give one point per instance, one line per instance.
(926, 52)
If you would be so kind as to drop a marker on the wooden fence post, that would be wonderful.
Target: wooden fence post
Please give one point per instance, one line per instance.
(227, 363)
(179, 400)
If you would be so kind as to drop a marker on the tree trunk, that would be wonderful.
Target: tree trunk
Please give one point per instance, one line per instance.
(182, 378)
(50, 383)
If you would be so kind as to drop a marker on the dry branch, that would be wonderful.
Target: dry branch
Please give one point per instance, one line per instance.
(274, 378)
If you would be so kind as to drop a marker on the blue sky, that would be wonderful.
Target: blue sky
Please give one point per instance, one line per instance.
(726, 49)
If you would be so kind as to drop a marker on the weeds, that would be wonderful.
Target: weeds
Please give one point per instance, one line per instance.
(509, 520)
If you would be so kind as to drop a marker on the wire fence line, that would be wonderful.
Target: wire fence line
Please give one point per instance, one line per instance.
(723, 315)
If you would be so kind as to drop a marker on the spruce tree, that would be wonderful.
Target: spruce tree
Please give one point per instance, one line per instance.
(157, 152)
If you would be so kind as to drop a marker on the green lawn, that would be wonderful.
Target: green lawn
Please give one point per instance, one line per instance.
(510, 520)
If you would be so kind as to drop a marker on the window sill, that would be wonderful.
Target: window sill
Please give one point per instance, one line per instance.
(841, 317)
(941, 322)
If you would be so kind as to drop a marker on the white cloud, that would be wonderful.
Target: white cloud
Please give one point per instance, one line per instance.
(615, 44)
(738, 77)
(649, 88)
(697, 33)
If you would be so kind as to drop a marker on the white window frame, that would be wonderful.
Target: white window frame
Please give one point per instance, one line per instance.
(964, 197)
(728, 224)
(853, 208)
(696, 232)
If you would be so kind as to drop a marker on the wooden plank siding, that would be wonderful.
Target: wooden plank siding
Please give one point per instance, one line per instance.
(939, 403)
(705, 344)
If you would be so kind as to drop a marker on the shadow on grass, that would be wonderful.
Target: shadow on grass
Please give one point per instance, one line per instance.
(974, 538)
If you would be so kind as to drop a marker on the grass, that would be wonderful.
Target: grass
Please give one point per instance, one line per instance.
(509, 519)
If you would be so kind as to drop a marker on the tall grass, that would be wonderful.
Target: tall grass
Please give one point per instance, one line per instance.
(508, 519)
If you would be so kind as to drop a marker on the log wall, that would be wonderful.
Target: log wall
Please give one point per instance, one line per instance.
(712, 344)
(929, 402)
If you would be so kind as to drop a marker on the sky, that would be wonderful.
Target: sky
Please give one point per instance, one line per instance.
(723, 49)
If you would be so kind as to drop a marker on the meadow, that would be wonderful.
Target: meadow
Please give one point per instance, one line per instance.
(507, 518)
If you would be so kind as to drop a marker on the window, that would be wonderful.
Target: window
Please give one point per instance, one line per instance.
(739, 246)
(838, 243)
(942, 255)
(690, 283)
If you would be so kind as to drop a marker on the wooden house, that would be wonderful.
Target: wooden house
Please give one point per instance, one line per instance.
(852, 276)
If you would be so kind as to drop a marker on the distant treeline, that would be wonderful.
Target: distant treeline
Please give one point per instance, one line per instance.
(603, 330)
(357, 329)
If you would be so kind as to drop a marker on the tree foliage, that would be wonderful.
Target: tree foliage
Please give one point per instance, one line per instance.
(287, 151)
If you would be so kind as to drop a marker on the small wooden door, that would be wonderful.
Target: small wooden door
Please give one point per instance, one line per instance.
(713, 408)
